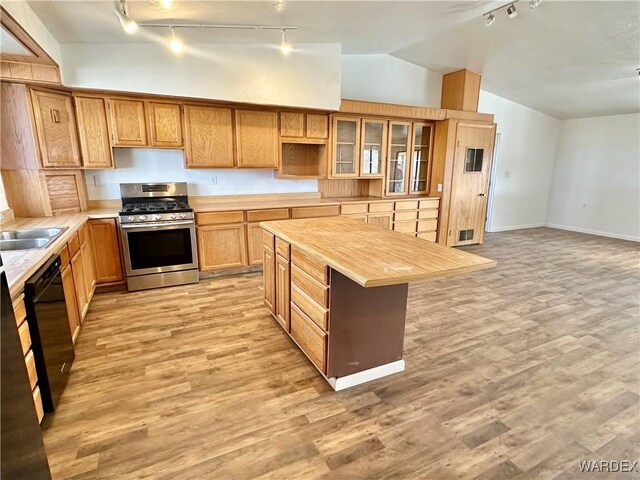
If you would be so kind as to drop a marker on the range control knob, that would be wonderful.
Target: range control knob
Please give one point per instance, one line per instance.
(142, 218)
(131, 218)
(173, 216)
(183, 215)
(157, 217)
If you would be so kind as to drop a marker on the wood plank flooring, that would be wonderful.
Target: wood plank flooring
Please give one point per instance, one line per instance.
(516, 372)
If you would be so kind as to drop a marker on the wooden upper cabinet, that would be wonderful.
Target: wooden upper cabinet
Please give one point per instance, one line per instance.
(257, 139)
(128, 123)
(317, 126)
(346, 147)
(93, 130)
(292, 124)
(373, 147)
(55, 129)
(165, 127)
(208, 137)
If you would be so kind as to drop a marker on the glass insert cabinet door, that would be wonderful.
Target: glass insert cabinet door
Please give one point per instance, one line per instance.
(346, 146)
(420, 157)
(398, 163)
(373, 147)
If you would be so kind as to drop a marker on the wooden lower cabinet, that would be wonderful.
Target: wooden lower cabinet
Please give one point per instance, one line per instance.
(71, 301)
(311, 338)
(380, 219)
(221, 246)
(104, 239)
(80, 283)
(254, 243)
(283, 291)
(269, 278)
(89, 271)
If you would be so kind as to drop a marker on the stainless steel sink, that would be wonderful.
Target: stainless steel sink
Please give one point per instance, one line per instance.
(27, 239)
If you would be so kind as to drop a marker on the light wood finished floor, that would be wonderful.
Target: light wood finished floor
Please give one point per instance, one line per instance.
(516, 372)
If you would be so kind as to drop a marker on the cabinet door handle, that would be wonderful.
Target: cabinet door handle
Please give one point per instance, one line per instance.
(481, 194)
(55, 116)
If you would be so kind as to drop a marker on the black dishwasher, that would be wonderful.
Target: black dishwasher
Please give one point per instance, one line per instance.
(50, 333)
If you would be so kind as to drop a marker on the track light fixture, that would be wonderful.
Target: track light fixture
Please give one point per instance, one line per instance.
(128, 24)
(175, 43)
(490, 18)
(285, 46)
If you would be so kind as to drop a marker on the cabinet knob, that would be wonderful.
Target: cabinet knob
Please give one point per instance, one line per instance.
(481, 194)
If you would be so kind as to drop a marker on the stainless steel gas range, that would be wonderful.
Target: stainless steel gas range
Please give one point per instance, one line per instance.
(158, 234)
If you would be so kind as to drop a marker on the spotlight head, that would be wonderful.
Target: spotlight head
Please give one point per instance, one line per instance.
(534, 3)
(490, 19)
(285, 46)
(128, 24)
(511, 11)
(175, 43)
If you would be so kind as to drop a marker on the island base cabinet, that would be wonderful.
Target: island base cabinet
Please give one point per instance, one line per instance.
(269, 278)
(283, 289)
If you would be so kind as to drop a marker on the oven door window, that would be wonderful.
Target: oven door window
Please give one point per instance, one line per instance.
(159, 248)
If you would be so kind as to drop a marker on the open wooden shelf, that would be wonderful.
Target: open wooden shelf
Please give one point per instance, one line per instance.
(303, 160)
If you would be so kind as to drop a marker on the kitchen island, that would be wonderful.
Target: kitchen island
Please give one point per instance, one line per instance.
(339, 287)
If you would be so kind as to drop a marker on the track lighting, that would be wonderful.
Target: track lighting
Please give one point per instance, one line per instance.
(175, 43)
(128, 24)
(511, 11)
(285, 46)
(534, 3)
(165, 4)
(490, 19)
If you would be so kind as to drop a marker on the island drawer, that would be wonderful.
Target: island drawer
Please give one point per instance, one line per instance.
(282, 248)
(405, 215)
(311, 212)
(427, 225)
(309, 306)
(317, 291)
(271, 214)
(319, 271)
(19, 310)
(375, 207)
(310, 338)
(427, 214)
(25, 337)
(74, 245)
(214, 218)
(31, 369)
(405, 227)
(407, 205)
(430, 203)
(268, 239)
(353, 208)
(431, 236)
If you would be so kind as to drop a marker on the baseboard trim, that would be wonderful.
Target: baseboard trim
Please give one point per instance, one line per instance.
(366, 375)
(516, 227)
(593, 232)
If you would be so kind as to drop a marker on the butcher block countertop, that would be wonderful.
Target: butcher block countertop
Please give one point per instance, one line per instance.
(373, 256)
(19, 265)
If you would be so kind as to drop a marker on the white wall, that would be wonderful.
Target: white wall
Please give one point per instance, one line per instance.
(596, 183)
(309, 77)
(384, 78)
(161, 165)
(26, 17)
(524, 171)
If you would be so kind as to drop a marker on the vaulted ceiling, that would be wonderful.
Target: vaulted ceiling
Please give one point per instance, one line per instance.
(566, 58)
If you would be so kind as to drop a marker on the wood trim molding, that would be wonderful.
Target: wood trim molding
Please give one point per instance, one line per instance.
(360, 107)
(7, 215)
(21, 35)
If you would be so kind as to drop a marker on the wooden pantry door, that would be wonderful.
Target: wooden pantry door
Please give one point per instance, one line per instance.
(470, 183)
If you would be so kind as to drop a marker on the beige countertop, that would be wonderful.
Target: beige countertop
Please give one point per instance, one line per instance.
(373, 256)
(19, 265)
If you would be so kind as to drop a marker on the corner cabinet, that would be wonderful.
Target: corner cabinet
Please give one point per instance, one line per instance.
(208, 137)
(257, 139)
(55, 129)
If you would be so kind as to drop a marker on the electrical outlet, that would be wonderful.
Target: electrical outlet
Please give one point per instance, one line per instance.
(507, 174)
(98, 180)
(213, 180)
(584, 205)
(439, 187)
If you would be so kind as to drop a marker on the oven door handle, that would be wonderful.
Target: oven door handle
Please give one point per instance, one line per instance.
(155, 225)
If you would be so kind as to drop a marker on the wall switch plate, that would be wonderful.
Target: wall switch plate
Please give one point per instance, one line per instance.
(507, 174)
(439, 187)
(98, 180)
(213, 180)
